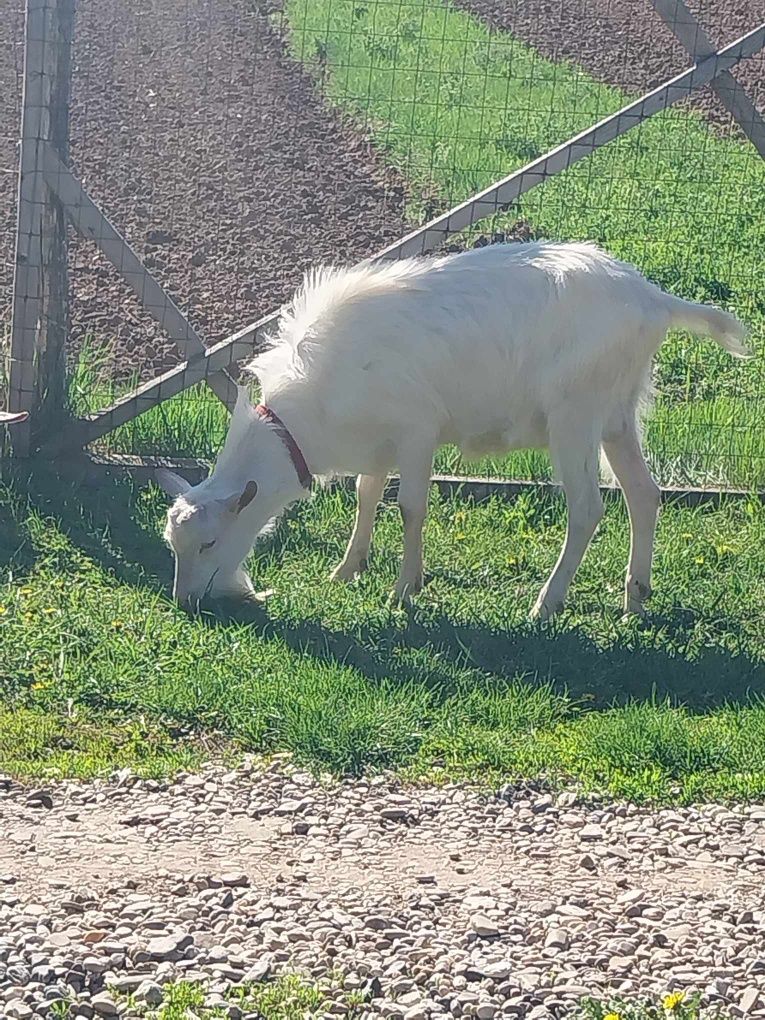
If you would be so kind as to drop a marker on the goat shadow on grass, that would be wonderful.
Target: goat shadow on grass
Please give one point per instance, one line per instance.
(566, 659)
(103, 522)
(100, 521)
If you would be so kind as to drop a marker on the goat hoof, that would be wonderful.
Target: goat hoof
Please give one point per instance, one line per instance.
(544, 611)
(348, 571)
(634, 611)
(403, 593)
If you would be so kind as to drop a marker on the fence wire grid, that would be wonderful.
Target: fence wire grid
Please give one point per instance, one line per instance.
(236, 143)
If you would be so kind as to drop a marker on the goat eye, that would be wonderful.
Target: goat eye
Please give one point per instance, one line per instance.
(206, 545)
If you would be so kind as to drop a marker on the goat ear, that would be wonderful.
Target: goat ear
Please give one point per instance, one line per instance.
(249, 493)
(171, 483)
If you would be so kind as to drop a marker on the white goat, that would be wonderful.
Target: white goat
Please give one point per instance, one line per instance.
(375, 367)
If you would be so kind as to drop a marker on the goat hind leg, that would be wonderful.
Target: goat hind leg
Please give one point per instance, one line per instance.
(369, 490)
(641, 494)
(578, 467)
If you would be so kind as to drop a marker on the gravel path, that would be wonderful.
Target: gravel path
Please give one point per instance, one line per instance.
(430, 902)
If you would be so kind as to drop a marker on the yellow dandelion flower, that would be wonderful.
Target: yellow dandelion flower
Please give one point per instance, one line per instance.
(460, 536)
(673, 1000)
(723, 548)
(612, 1016)
(698, 559)
(3, 609)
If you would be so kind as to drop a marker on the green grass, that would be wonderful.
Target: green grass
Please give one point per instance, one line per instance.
(192, 424)
(99, 670)
(454, 107)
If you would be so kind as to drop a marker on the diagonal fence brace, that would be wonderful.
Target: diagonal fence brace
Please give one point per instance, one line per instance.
(94, 225)
(697, 44)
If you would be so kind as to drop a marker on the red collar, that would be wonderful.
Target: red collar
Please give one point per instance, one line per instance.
(296, 456)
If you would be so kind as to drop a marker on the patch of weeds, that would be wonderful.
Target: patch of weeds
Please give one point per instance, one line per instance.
(673, 1006)
(288, 997)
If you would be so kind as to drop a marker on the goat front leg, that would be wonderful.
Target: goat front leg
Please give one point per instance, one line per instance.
(413, 503)
(369, 490)
(579, 475)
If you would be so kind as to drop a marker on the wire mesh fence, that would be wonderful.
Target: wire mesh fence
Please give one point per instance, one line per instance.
(11, 65)
(235, 143)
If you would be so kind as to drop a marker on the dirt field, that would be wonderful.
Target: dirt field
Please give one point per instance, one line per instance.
(213, 154)
(212, 151)
(625, 43)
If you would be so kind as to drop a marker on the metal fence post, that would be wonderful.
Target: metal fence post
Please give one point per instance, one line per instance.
(36, 372)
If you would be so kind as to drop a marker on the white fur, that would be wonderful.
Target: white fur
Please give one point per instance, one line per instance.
(504, 347)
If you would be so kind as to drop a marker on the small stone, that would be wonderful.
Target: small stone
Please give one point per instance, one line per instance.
(591, 833)
(410, 999)
(126, 984)
(574, 911)
(235, 880)
(17, 1009)
(586, 862)
(495, 971)
(630, 897)
(104, 1005)
(168, 947)
(542, 804)
(40, 799)
(557, 938)
(149, 993)
(620, 964)
(95, 964)
(417, 1012)
(394, 814)
(484, 926)
(750, 1000)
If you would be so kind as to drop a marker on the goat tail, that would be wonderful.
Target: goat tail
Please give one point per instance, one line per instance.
(706, 320)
